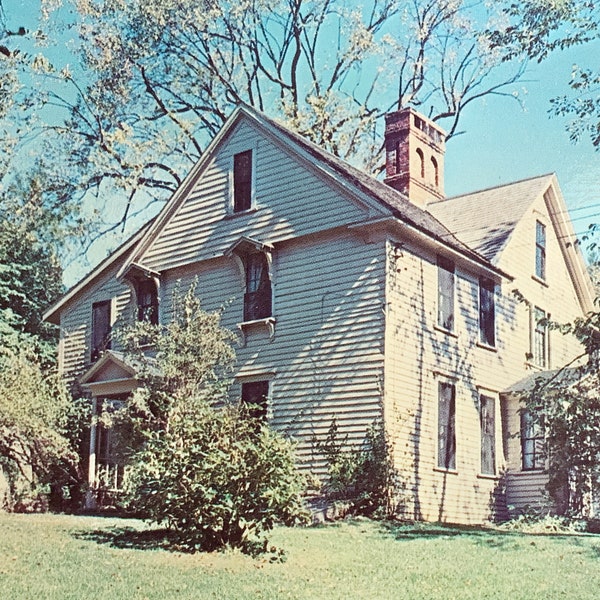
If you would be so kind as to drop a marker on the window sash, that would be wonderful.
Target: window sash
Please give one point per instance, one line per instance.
(445, 294)
(258, 296)
(540, 338)
(147, 302)
(487, 313)
(100, 328)
(487, 419)
(446, 425)
(532, 444)
(242, 181)
(255, 395)
(540, 250)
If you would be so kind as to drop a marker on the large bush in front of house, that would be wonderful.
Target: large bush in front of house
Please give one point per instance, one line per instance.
(37, 454)
(200, 464)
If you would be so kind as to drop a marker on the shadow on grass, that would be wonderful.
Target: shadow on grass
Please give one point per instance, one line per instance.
(488, 537)
(132, 539)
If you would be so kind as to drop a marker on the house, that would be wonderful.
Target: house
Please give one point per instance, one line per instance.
(355, 299)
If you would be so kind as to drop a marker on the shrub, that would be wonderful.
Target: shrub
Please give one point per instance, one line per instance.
(217, 478)
(198, 464)
(363, 478)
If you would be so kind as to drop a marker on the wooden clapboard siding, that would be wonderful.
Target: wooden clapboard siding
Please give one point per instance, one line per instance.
(525, 491)
(76, 323)
(326, 357)
(291, 201)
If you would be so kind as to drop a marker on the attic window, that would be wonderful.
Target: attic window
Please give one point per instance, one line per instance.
(242, 181)
(540, 250)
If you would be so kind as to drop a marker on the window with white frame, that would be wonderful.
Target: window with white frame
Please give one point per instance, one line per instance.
(446, 425)
(532, 443)
(487, 420)
(540, 349)
(540, 250)
(445, 293)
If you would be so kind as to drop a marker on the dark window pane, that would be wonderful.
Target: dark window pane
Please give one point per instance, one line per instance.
(147, 301)
(446, 426)
(242, 181)
(445, 294)
(254, 396)
(487, 313)
(258, 297)
(100, 328)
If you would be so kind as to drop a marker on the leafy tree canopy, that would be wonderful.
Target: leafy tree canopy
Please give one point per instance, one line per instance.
(155, 80)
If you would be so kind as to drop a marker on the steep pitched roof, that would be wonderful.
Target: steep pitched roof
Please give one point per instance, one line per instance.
(484, 220)
(365, 185)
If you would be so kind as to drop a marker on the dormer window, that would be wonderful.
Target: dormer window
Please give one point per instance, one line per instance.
(257, 299)
(540, 250)
(147, 301)
(242, 181)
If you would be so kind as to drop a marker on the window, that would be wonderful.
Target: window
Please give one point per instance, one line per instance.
(100, 328)
(540, 349)
(147, 301)
(487, 419)
(532, 443)
(242, 181)
(436, 172)
(446, 426)
(255, 395)
(540, 250)
(445, 293)
(258, 297)
(421, 163)
(487, 313)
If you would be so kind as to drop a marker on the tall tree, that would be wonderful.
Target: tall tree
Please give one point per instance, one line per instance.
(158, 78)
(538, 28)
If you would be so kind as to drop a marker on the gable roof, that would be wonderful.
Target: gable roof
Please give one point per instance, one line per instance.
(484, 220)
(52, 314)
(356, 182)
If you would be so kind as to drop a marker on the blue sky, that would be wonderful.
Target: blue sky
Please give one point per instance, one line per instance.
(502, 141)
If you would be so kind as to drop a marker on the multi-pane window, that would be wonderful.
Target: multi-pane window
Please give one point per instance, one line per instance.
(258, 296)
(147, 301)
(255, 396)
(487, 313)
(446, 425)
(539, 350)
(111, 445)
(242, 181)
(487, 419)
(540, 250)
(100, 328)
(532, 443)
(445, 293)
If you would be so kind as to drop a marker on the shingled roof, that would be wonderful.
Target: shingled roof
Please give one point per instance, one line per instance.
(484, 220)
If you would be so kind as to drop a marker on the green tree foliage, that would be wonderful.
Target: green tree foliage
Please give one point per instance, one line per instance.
(198, 464)
(565, 408)
(538, 28)
(363, 478)
(35, 418)
(157, 79)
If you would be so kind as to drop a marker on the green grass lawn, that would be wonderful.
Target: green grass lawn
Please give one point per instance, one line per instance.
(57, 556)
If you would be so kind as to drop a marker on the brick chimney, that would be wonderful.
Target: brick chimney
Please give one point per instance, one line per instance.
(414, 156)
